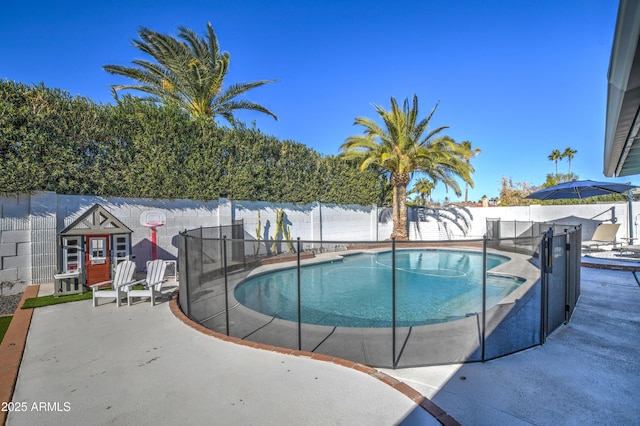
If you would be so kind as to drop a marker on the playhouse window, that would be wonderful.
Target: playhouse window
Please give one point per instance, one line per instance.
(121, 247)
(98, 248)
(71, 253)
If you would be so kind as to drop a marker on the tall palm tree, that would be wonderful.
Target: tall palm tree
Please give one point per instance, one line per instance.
(402, 148)
(555, 156)
(423, 187)
(189, 72)
(569, 153)
(470, 153)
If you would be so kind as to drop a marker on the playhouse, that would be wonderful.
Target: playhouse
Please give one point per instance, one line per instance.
(92, 245)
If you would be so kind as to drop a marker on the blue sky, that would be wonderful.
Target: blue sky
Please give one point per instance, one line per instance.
(516, 78)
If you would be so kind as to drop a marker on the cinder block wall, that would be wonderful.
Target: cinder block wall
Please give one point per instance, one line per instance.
(15, 244)
(29, 224)
(180, 215)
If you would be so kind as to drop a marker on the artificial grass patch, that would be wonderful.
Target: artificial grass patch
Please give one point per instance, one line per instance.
(38, 302)
(4, 325)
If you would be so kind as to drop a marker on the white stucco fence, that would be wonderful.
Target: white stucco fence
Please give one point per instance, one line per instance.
(30, 223)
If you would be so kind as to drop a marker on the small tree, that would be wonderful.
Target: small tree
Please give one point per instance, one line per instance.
(423, 188)
(514, 194)
(552, 180)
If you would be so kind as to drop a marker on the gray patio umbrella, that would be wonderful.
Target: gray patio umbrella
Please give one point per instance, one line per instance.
(583, 189)
(580, 189)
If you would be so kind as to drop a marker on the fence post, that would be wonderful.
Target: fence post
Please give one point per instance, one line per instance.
(549, 255)
(575, 283)
(186, 272)
(567, 275)
(484, 296)
(226, 284)
(299, 302)
(393, 301)
(201, 263)
(546, 264)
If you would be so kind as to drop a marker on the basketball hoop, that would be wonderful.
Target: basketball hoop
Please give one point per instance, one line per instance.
(153, 219)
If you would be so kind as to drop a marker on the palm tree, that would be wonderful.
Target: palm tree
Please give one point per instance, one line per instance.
(423, 187)
(470, 154)
(189, 72)
(555, 156)
(401, 148)
(569, 153)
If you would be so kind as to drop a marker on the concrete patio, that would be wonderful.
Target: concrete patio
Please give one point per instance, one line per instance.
(587, 373)
(143, 365)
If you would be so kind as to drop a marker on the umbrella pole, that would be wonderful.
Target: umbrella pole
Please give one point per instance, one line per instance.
(630, 199)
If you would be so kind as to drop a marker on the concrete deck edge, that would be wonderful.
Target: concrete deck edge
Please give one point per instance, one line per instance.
(12, 348)
(422, 401)
(611, 266)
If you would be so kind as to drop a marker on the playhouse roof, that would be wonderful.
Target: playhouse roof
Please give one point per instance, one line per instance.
(96, 220)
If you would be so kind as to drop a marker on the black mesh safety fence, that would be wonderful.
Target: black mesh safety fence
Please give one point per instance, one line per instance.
(385, 303)
(556, 289)
(562, 278)
(498, 229)
(574, 241)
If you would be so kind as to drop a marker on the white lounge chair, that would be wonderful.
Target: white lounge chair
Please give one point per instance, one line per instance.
(152, 283)
(121, 277)
(630, 250)
(605, 235)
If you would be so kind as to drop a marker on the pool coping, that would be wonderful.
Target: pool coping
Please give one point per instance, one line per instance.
(517, 265)
(423, 402)
(504, 270)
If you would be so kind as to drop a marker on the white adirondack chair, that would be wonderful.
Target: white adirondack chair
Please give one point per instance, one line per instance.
(152, 283)
(121, 277)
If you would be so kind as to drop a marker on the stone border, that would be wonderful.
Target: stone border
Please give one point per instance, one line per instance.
(12, 348)
(422, 401)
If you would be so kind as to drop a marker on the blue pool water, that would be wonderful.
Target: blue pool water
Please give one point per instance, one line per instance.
(432, 286)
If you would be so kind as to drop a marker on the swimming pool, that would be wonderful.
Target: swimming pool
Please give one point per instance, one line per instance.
(432, 286)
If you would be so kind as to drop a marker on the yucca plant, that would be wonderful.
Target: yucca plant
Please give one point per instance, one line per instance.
(282, 232)
(256, 250)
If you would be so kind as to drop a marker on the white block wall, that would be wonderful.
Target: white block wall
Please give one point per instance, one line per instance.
(315, 221)
(15, 244)
(180, 215)
(29, 224)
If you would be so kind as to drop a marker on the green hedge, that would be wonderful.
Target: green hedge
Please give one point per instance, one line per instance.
(52, 141)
